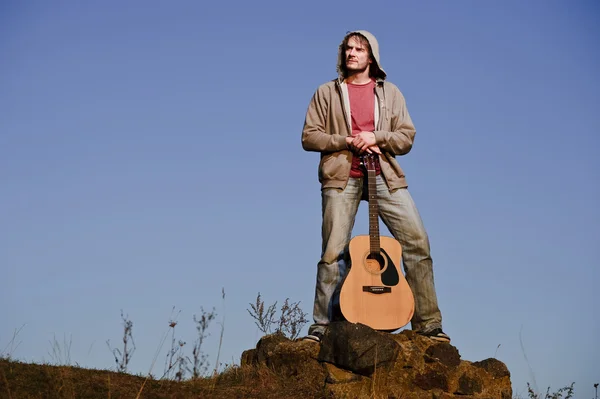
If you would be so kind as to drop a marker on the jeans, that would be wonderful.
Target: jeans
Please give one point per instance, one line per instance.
(399, 213)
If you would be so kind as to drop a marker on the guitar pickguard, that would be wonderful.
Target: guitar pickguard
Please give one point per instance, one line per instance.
(390, 275)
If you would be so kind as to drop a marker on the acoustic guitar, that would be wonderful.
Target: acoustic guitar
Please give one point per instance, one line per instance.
(375, 291)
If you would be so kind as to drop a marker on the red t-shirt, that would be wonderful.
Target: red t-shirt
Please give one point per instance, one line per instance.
(362, 114)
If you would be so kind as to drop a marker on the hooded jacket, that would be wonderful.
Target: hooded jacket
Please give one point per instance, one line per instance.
(328, 123)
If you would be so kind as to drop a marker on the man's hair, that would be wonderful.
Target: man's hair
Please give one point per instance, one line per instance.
(374, 68)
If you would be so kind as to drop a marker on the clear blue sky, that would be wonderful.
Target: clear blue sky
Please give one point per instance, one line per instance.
(150, 156)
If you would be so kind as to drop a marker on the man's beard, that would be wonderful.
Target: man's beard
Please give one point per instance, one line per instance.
(355, 70)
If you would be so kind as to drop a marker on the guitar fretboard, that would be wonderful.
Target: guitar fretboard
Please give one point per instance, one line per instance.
(373, 213)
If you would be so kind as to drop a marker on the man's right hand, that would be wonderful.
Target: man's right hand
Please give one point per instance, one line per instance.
(374, 149)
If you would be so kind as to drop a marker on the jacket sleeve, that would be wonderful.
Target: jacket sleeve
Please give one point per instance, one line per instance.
(400, 139)
(314, 137)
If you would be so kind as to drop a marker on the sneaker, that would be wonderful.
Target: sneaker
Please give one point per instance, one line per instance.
(437, 335)
(314, 337)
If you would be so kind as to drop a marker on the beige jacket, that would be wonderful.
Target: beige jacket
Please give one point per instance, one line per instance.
(328, 123)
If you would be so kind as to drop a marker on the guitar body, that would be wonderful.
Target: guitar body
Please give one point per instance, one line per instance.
(375, 291)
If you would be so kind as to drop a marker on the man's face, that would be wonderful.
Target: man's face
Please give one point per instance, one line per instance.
(357, 56)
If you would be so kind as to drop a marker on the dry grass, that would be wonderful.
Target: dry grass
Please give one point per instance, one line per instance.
(28, 381)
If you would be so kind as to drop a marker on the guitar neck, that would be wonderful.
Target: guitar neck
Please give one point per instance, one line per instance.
(373, 213)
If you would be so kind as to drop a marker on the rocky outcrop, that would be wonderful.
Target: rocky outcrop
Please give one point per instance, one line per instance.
(355, 361)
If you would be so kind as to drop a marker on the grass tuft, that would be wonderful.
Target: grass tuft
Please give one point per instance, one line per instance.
(289, 323)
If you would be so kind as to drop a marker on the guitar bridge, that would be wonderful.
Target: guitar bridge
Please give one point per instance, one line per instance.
(376, 289)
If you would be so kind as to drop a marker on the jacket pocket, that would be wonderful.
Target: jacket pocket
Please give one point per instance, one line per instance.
(333, 166)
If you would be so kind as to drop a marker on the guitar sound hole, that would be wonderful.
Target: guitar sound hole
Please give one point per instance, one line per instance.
(375, 263)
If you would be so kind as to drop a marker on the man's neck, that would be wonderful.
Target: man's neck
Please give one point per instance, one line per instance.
(360, 78)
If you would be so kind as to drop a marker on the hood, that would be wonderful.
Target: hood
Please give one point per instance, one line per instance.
(374, 49)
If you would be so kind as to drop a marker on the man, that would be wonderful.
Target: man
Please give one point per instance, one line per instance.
(359, 113)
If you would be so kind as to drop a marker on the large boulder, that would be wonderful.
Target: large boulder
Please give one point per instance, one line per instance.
(357, 348)
(355, 361)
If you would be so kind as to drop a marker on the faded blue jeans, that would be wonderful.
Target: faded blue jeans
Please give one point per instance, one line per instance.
(399, 213)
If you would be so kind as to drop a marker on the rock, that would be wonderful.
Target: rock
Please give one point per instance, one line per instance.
(291, 359)
(468, 385)
(355, 361)
(432, 379)
(410, 356)
(444, 353)
(495, 367)
(357, 348)
(336, 375)
(249, 358)
(267, 344)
